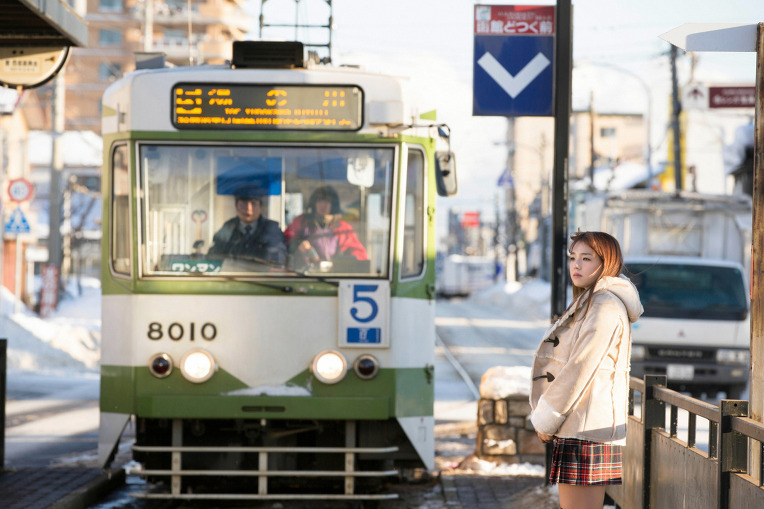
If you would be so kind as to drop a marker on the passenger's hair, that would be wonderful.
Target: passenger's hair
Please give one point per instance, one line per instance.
(608, 249)
(326, 193)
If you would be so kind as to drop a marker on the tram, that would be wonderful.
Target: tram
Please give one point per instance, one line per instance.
(270, 373)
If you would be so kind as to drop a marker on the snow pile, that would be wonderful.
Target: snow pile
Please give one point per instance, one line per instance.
(69, 340)
(500, 382)
(530, 299)
(473, 464)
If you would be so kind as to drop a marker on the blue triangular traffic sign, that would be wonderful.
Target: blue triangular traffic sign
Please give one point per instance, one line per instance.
(506, 179)
(17, 222)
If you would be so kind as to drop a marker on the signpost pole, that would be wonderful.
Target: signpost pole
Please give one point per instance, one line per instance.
(756, 382)
(562, 90)
(56, 168)
(562, 87)
(676, 110)
(17, 286)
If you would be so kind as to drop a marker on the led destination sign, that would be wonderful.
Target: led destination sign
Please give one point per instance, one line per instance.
(301, 107)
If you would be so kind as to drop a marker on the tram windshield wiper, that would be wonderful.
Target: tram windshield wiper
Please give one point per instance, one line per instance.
(312, 276)
(269, 263)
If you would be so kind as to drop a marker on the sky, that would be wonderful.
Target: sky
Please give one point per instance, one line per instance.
(617, 55)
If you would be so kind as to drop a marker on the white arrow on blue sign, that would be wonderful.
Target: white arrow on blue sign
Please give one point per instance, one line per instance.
(513, 85)
(17, 223)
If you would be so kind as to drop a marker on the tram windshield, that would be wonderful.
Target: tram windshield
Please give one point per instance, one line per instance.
(277, 211)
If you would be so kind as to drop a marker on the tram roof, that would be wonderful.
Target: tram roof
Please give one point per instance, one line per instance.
(148, 86)
(40, 23)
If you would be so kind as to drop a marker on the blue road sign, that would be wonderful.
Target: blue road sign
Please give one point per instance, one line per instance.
(505, 179)
(17, 223)
(513, 73)
(513, 76)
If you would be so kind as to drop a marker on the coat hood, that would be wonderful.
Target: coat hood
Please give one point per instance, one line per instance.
(624, 289)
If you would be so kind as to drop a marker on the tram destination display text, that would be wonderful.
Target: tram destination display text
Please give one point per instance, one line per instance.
(244, 106)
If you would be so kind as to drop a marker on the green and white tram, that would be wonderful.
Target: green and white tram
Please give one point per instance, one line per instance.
(251, 375)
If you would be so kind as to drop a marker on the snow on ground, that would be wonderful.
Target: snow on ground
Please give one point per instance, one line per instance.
(530, 298)
(69, 341)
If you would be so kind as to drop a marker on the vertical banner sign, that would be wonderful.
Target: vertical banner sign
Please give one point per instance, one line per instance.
(49, 290)
(363, 313)
(513, 71)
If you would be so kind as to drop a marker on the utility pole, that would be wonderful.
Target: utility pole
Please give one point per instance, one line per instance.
(509, 201)
(49, 299)
(676, 110)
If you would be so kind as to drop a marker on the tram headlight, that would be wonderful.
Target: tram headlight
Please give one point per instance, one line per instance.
(160, 365)
(329, 366)
(366, 366)
(197, 366)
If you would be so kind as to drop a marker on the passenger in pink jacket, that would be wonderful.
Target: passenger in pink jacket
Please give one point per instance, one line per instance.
(320, 234)
(580, 386)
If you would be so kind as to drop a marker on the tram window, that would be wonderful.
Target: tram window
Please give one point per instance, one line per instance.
(189, 202)
(338, 205)
(120, 211)
(412, 262)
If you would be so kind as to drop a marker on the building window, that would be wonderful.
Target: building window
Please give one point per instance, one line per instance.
(109, 72)
(109, 38)
(607, 132)
(110, 6)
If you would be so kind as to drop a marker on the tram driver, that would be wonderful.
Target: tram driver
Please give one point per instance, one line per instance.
(320, 234)
(249, 236)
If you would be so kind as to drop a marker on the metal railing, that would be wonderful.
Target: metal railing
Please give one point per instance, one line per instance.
(662, 471)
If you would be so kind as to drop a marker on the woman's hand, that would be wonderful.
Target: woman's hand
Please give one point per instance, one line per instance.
(547, 439)
(304, 246)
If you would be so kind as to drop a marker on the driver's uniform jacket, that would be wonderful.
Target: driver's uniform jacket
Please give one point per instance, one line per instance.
(266, 242)
(580, 373)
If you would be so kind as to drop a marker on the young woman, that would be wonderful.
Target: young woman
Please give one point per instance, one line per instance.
(580, 386)
(320, 234)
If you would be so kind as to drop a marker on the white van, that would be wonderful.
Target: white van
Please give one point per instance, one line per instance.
(695, 328)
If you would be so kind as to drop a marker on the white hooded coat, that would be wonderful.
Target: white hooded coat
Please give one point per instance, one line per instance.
(580, 371)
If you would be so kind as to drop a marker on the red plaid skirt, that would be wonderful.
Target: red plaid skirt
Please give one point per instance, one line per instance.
(581, 462)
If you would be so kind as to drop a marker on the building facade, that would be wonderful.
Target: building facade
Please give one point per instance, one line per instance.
(199, 31)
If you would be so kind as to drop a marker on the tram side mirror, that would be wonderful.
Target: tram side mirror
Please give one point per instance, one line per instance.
(445, 173)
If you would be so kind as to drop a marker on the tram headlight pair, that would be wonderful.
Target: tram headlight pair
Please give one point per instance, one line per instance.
(330, 366)
(196, 366)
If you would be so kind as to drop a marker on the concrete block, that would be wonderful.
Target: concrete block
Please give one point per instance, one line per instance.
(485, 411)
(500, 411)
(528, 442)
(519, 407)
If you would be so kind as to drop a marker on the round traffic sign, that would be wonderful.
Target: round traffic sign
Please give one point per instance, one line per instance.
(19, 190)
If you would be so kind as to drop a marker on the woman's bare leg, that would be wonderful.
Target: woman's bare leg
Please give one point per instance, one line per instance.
(581, 497)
